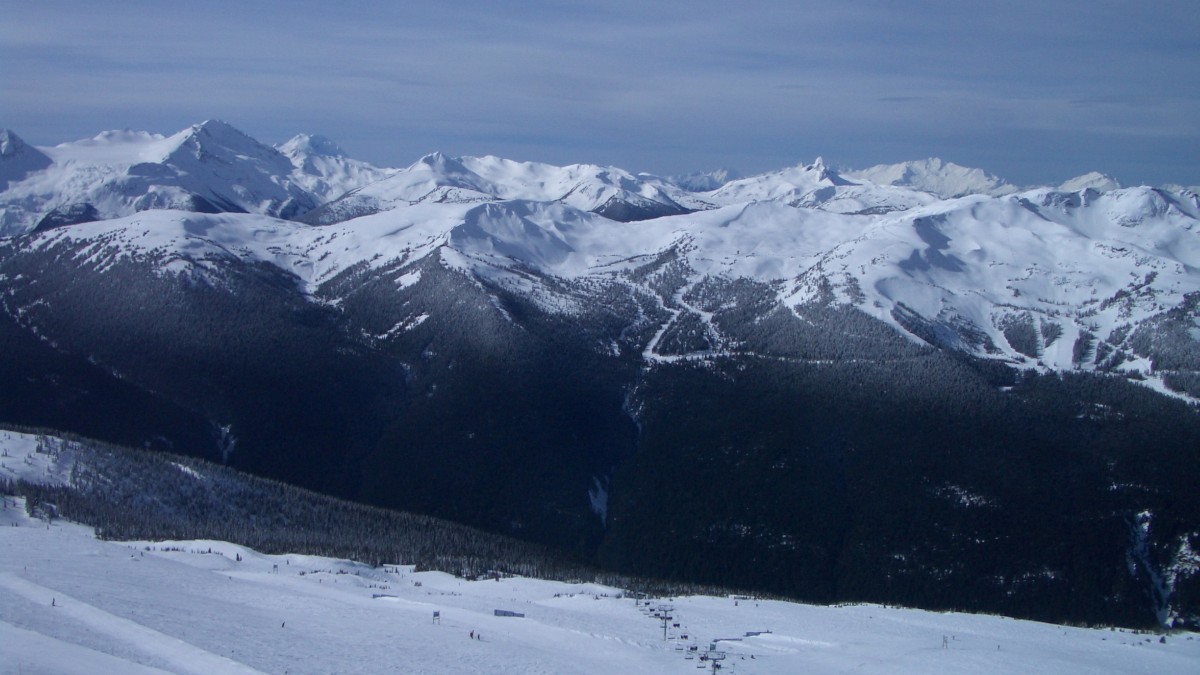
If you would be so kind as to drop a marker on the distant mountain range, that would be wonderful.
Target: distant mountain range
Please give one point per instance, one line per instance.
(212, 167)
(914, 383)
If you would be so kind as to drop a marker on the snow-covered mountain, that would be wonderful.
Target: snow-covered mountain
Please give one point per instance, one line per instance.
(538, 350)
(17, 159)
(325, 170)
(704, 181)
(1064, 280)
(946, 179)
(1093, 180)
(209, 167)
(1090, 278)
(436, 178)
(816, 186)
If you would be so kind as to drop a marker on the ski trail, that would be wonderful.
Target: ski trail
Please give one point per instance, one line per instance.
(650, 353)
(26, 651)
(181, 656)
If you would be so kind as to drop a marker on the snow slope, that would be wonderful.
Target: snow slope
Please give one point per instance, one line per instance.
(818, 186)
(437, 178)
(70, 603)
(1066, 264)
(704, 181)
(324, 169)
(207, 167)
(1093, 180)
(946, 179)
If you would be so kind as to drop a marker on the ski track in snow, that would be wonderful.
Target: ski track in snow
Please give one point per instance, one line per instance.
(177, 654)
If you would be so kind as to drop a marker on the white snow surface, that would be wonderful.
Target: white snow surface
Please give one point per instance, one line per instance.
(1093, 180)
(123, 172)
(1086, 261)
(946, 179)
(819, 186)
(70, 603)
(704, 181)
(441, 179)
(324, 169)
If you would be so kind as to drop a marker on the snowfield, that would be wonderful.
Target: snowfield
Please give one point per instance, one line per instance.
(72, 604)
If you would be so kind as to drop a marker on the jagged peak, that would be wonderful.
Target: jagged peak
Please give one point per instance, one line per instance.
(824, 173)
(10, 143)
(18, 158)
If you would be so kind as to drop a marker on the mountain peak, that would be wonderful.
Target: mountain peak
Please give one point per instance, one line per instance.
(440, 163)
(311, 144)
(823, 173)
(435, 158)
(1093, 180)
(936, 175)
(10, 143)
(17, 158)
(214, 133)
(704, 181)
(216, 127)
(220, 138)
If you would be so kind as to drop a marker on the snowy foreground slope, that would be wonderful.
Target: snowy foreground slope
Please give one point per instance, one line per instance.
(72, 604)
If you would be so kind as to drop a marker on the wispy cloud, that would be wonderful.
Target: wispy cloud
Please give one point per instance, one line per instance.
(651, 86)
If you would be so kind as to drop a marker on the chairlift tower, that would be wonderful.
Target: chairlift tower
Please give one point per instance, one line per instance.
(715, 658)
(664, 615)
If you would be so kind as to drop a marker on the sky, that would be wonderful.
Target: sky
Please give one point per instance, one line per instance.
(1033, 91)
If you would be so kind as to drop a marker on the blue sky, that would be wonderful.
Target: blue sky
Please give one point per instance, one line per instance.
(1033, 91)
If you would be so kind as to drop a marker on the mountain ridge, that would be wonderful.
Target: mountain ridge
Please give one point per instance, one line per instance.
(116, 173)
(1084, 264)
